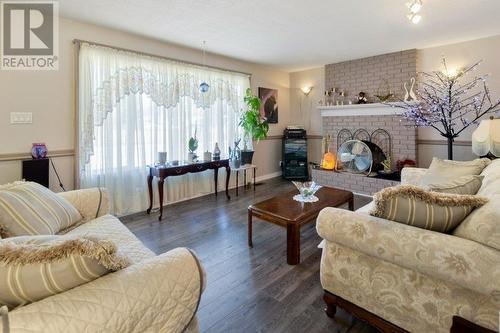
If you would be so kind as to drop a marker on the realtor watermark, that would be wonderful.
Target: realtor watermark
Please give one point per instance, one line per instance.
(29, 35)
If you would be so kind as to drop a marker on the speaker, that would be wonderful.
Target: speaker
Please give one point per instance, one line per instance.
(36, 171)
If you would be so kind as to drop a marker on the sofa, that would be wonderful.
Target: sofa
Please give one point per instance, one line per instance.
(402, 278)
(155, 293)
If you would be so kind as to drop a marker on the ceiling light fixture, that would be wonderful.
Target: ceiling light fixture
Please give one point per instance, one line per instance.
(204, 86)
(414, 8)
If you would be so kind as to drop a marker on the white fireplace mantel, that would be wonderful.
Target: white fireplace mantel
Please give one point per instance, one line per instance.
(371, 109)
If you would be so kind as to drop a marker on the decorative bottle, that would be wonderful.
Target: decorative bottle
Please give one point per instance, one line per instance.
(216, 155)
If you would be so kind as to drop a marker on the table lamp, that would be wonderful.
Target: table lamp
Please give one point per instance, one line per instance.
(486, 138)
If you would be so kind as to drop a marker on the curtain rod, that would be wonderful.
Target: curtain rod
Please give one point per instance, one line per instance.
(79, 41)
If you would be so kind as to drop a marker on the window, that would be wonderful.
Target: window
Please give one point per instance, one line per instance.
(132, 106)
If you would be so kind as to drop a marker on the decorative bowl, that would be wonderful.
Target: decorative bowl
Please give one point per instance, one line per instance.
(307, 189)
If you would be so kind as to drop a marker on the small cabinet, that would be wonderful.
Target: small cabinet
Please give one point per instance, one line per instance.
(295, 154)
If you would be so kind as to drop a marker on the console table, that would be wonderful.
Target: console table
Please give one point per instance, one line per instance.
(164, 171)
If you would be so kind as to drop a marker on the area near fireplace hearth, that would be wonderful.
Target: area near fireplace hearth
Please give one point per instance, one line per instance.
(371, 76)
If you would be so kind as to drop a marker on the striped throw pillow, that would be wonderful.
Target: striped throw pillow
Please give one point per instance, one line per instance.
(461, 185)
(28, 208)
(35, 267)
(417, 207)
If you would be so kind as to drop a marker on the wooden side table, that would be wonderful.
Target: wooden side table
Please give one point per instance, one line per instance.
(244, 168)
(162, 172)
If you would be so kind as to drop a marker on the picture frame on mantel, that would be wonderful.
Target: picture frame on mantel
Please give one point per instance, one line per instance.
(269, 104)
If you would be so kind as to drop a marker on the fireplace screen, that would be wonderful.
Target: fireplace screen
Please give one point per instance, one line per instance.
(362, 152)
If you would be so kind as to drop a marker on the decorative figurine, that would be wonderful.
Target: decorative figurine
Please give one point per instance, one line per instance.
(410, 95)
(362, 98)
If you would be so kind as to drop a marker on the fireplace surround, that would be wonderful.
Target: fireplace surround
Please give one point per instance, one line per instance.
(372, 118)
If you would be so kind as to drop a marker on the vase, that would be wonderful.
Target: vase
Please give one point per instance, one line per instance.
(191, 157)
(216, 155)
(39, 151)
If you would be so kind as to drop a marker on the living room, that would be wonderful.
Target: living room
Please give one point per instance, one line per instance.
(225, 167)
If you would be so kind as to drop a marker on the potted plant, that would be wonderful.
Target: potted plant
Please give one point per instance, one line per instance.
(255, 127)
(192, 146)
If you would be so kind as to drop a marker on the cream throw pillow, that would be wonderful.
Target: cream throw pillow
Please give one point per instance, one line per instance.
(35, 267)
(442, 170)
(461, 185)
(28, 208)
(417, 207)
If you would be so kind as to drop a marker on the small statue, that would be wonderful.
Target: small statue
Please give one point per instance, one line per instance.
(410, 95)
(362, 98)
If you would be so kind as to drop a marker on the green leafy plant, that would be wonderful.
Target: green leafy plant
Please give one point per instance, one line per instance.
(193, 143)
(253, 124)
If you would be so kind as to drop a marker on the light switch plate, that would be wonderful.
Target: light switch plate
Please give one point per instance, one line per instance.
(21, 117)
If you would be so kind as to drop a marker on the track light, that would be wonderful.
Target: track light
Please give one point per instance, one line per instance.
(414, 18)
(414, 8)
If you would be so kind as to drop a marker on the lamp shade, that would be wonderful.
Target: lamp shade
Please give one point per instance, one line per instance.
(486, 138)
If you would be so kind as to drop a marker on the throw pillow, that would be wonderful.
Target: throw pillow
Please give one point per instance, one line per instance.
(28, 208)
(461, 185)
(35, 267)
(442, 170)
(483, 225)
(417, 207)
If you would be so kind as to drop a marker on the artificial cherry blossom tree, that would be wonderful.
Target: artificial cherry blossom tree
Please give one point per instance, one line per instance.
(450, 102)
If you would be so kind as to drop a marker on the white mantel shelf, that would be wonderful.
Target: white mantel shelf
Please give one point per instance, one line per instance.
(370, 109)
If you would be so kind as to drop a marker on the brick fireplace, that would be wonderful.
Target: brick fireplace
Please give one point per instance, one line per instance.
(369, 117)
(369, 75)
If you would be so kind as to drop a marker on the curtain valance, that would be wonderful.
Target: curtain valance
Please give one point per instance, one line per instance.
(107, 75)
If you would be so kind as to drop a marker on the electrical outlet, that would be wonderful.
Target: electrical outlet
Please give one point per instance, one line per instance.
(21, 117)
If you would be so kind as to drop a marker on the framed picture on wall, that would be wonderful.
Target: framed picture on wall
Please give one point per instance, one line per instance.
(269, 106)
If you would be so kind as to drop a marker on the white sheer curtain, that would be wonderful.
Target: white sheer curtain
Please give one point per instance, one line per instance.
(131, 106)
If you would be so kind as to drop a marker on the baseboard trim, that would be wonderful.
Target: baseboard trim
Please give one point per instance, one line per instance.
(268, 176)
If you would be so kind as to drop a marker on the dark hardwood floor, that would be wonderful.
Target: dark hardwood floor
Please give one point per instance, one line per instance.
(248, 290)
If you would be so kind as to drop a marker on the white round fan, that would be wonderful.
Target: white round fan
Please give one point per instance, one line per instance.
(354, 156)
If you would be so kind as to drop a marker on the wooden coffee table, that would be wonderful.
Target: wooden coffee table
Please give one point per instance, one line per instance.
(286, 212)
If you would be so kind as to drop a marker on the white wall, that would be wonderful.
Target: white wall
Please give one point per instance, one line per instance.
(50, 96)
(458, 56)
(303, 108)
(429, 59)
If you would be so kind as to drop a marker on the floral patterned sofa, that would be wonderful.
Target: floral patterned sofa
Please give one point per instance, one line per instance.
(399, 277)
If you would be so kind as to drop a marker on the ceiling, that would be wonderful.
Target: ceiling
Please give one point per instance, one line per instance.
(292, 34)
